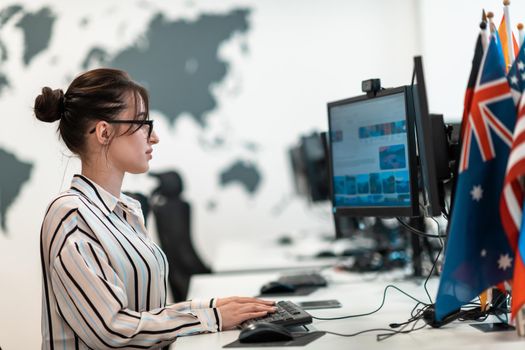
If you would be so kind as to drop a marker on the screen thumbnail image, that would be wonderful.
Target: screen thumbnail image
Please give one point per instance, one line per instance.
(339, 184)
(383, 129)
(337, 136)
(345, 185)
(375, 184)
(388, 180)
(392, 157)
(399, 127)
(402, 184)
(363, 185)
(350, 185)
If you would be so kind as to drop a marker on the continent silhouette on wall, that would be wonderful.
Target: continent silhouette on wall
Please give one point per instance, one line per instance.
(244, 173)
(13, 176)
(37, 28)
(178, 61)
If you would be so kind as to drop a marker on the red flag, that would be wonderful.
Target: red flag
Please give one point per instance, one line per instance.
(511, 205)
(476, 62)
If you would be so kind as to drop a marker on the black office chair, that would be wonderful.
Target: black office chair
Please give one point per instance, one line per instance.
(173, 219)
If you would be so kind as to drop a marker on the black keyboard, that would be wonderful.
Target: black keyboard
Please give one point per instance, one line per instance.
(287, 314)
(304, 280)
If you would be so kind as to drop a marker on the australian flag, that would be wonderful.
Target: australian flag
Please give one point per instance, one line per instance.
(478, 254)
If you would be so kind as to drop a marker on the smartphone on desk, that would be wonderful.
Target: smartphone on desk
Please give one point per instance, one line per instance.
(320, 304)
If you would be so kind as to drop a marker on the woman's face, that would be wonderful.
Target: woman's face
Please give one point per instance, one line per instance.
(131, 152)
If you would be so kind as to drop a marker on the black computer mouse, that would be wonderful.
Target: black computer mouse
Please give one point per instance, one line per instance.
(325, 254)
(275, 287)
(285, 240)
(264, 332)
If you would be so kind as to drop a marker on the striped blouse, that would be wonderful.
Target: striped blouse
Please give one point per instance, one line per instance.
(105, 281)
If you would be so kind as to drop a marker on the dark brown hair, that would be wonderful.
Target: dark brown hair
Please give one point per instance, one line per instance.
(98, 94)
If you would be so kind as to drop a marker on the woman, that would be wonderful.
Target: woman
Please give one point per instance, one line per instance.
(104, 280)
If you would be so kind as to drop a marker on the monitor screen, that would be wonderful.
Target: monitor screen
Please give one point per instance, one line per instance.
(372, 155)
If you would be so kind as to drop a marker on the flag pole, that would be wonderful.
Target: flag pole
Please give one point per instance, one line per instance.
(510, 49)
(492, 26)
(521, 33)
(484, 298)
(484, 34)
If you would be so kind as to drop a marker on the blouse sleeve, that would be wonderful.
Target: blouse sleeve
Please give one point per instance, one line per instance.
(92, 300)
(194, 304)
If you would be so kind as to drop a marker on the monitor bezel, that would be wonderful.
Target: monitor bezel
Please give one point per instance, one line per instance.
(425, 144)
(382, 211)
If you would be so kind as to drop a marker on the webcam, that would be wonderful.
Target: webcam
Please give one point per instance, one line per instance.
(371, 86)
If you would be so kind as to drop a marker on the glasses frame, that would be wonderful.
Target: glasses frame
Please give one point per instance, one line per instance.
(148, 122)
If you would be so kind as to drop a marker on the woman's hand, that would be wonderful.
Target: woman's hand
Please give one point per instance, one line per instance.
(235, 310)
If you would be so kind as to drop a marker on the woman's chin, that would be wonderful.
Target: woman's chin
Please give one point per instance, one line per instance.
(139, 170)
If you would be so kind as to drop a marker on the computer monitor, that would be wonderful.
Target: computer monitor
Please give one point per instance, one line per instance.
(300, 181)
(373, 154)
(309, 168)
(316, 169)
(432, 146)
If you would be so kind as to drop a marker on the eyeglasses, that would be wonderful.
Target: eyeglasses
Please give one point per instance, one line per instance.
(148, 123)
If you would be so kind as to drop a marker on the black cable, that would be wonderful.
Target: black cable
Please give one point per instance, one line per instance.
(379, 337)
(438, 230)
(368, 331)
(356, 333)
(385, 336)
(372, 312)
(415, 318)
(417, 232)
(430, 274)
(391, 332)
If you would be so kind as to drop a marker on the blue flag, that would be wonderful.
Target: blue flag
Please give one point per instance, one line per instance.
(478, 254)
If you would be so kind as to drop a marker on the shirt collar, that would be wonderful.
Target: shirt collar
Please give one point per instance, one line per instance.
(130, 204)
(102, 198)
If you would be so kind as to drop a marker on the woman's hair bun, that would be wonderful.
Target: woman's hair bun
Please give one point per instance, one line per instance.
(49, 105)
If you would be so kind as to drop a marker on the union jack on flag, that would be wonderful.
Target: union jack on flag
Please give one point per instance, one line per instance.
(481, 118)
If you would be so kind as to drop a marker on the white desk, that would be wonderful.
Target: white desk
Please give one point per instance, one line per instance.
(267, 254)
(242, 257)
(358, 294)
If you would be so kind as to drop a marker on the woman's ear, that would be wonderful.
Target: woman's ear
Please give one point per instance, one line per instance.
(103, 132)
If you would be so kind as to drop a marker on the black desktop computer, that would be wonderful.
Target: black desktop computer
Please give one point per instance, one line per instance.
(389, 157)
(384, 156)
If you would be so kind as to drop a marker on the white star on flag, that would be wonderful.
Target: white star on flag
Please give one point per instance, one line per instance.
(514, 79)
(483, 252)
(521, 65)
(476, 193)
(504, 262)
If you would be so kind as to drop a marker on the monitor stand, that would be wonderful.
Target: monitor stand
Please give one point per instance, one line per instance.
(418, 244)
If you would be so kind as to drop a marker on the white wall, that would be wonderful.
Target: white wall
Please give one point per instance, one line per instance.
(449, 30)
(302, 54)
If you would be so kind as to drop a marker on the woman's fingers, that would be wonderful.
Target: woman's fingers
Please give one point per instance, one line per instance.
(256, 307)
(251, 315)
(245, 300)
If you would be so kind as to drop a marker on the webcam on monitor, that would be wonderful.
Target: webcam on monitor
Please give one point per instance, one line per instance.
(371, 86)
